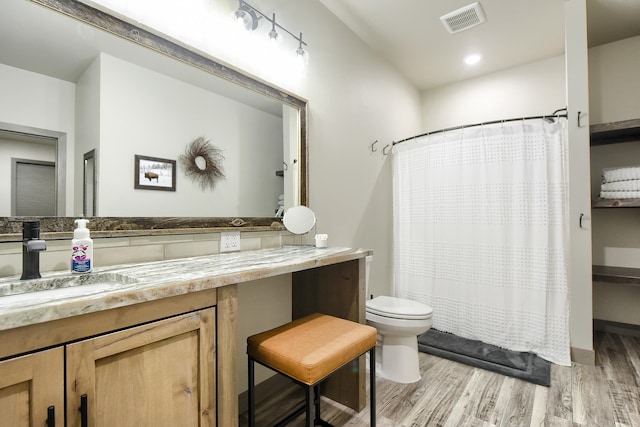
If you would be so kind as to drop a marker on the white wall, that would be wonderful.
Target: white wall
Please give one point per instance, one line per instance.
(147, 113)
(615, 95)
(43, 103)
(291, 154)
(614, 92)
(579, 256)
(529, 90)
(255, 316)
(355, 99)
(87, 128)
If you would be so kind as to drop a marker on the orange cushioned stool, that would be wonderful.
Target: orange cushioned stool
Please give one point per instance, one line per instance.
(308, 350)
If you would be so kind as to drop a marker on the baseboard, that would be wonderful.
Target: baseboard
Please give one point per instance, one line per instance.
(616, 327)
(583, 356)
(588, 357)
(264, 390)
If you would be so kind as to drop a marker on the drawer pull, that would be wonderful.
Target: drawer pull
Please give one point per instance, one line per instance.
(51, 416)
(84, 421)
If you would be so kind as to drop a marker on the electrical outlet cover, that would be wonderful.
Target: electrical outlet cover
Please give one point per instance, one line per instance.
(229, 241)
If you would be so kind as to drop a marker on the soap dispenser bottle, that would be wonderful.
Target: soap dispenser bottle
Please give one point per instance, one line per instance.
(81, 248)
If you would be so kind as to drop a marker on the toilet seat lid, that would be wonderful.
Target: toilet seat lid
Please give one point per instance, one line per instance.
(398, 308)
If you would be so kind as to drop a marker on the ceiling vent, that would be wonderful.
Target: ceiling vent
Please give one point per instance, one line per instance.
(464, 18)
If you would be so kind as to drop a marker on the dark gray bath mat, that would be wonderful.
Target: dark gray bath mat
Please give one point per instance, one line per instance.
(522, 365)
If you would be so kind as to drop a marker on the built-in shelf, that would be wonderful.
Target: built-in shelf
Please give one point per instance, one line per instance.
(619, 275)
(614, 132)
(616, 203)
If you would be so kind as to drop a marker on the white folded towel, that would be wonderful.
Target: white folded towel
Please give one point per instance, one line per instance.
(620, 174)
(620, 194)
(631, 185)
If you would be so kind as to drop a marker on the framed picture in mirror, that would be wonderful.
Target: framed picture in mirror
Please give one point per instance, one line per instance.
(153, 173)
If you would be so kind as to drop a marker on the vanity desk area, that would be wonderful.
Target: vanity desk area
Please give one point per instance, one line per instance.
(157, 327)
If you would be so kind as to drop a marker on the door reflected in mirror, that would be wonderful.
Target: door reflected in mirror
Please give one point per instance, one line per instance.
(28, 169)
(89, 184)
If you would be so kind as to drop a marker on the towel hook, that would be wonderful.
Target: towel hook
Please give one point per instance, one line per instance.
(385, 151)
(373, 150)
(580, 116)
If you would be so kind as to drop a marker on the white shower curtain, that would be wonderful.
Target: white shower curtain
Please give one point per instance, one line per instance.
(480, 220)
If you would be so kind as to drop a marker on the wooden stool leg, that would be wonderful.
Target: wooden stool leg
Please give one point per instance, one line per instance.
(372, 386)
(252, 397)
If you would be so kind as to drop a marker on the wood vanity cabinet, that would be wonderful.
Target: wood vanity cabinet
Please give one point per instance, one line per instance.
(158, 374)
(161, 373)
(32, 389)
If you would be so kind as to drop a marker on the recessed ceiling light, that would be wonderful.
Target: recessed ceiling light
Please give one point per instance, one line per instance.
(472, 59)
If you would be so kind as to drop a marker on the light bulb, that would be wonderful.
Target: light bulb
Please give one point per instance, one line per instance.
(301, 54)
(273, 34)
(472, 59)
(246, 18)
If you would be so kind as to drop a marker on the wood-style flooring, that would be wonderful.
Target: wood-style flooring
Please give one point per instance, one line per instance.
(453, 394)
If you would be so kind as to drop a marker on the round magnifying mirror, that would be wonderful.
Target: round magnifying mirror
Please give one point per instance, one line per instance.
(299, 219)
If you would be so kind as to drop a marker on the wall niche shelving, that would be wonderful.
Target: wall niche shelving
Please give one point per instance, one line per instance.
(614, 133)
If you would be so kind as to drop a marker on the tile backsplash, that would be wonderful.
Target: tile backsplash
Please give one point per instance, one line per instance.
(138, 249)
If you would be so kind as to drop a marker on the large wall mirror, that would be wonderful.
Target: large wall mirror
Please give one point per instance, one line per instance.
(79, 83)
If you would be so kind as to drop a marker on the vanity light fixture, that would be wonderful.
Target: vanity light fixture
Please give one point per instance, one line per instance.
(246, 16)
(301, 53)
(273, 34)
(249, 17)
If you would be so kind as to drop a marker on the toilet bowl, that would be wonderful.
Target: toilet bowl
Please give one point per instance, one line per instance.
(399, 322)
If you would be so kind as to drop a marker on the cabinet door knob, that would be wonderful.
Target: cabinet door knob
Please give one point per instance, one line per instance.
(51, 416)
(84, 419)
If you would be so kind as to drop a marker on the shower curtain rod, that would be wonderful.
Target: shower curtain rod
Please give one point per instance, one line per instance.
(553, 115)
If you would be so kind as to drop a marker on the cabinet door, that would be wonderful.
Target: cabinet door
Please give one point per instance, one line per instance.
(31, 384)
(159, 374)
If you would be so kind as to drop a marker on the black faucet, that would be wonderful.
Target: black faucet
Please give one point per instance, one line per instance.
(31, 248)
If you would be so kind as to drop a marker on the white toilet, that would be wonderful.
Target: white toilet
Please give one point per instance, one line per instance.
(399, 322)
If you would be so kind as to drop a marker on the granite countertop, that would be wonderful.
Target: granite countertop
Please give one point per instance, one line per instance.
(161, 279)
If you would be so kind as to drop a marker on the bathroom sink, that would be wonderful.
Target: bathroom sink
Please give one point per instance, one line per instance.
(17, 287)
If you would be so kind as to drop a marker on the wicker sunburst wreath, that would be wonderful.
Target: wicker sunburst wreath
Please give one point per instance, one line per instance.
(202, 162)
